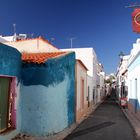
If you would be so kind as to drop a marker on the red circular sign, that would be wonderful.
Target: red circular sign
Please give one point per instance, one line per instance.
(137, 18)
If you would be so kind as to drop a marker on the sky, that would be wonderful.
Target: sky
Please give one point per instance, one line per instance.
(104, 25)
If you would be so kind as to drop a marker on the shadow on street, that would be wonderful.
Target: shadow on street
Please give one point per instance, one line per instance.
(107, 122)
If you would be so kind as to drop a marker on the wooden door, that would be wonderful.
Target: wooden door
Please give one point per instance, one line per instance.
(4, 102)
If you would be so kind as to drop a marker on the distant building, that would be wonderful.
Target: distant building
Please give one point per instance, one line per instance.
(89, 58)
(122, 77)
(12, 38)
(100, 82)
(24, 44)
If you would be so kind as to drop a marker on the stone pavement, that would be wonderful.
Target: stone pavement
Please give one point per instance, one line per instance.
(108, 122)
(135, 123)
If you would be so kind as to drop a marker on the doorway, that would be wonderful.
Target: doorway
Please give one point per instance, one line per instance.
(4, 103)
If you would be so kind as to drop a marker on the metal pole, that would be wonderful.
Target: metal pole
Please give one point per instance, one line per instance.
(71, 41)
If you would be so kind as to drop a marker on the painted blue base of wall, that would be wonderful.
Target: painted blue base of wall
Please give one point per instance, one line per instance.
(135, 103)
(47, 101)
(45, 110)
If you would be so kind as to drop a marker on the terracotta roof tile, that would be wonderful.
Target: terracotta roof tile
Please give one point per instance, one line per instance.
(40, 57)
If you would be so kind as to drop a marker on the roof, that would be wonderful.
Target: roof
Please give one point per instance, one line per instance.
(40, 57)
(82, 64)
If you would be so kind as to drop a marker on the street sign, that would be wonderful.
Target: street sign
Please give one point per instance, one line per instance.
(136, 20)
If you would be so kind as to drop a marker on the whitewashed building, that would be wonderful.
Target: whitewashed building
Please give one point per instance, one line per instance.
(100, 82)
(122, 77)
(102, 85)
(134, 79)
(89, 58)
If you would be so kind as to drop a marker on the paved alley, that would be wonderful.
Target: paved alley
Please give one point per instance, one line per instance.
(107, 122)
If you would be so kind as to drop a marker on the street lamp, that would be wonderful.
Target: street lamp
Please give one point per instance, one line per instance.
(121, 54)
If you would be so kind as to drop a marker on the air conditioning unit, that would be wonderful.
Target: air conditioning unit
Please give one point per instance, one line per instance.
(22, 36)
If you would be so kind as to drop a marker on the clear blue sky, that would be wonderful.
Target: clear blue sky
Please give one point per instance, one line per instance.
(104, 25)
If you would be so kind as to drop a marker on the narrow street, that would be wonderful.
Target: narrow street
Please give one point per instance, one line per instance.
(107, 122)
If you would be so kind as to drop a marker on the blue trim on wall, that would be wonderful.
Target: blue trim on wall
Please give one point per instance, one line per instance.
(10, 61)
(135, 103)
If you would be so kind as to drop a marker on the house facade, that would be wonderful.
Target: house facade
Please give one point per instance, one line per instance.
(100, 84)
(81, 91)
(37, 94)
(48, 90)
(134, 79)
(128, 79)
(122, 77)
(47, 100)
(89, 58)
(10, 77)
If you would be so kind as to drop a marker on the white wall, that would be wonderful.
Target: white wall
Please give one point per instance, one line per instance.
(134, 73)
(87, 56)
(134, 77)
(134, 50)
(6, 38)
(120, 76)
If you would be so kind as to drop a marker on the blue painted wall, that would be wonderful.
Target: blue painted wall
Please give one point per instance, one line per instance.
(135, 103)
(47, 97)
(10, 65)
(10, 61)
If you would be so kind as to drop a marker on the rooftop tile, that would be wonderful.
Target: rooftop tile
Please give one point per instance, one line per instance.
(40, 57)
